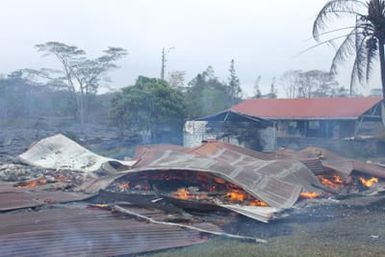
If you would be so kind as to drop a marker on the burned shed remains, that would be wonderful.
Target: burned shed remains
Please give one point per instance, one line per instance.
(231, 127)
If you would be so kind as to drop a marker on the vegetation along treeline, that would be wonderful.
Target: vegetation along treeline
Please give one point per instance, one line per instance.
(151, 107)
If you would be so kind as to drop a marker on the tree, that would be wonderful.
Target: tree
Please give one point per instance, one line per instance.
(176, 79)
(273, 91)
(21, 98)
(364, 40)
(313, 83)
(257, 90)
(206, 95)
(289, 82)
(316, 83)
(233, 84)
(80, 75)
(150, 105)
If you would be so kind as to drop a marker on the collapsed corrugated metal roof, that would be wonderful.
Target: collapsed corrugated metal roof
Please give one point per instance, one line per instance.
(289, 170)
(278, 183)
(134, 218)
(276, 179)
(307, 108)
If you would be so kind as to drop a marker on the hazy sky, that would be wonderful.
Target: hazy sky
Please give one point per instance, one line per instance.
(263, 37)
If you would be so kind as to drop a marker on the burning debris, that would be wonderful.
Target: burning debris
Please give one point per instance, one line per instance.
(32, 183)
(368, 182)
(174, 186)
(332, 181)
(310, 195)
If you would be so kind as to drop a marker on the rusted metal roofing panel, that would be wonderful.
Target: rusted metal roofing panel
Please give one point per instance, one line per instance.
(276, 182)
(276, 192)
(277, 166)
(211, 147)
(332, 161)
(142, 149)
(307, 108)
(16, 198)
(86, 232)
(369, 168)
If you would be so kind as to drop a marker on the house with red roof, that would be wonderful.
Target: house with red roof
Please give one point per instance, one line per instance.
(337, 117)
(260, 123)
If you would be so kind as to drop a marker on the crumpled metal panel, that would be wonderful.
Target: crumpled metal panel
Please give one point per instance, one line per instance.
(60, 152)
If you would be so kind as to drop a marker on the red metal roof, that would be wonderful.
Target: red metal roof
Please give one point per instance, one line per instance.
(307, 108)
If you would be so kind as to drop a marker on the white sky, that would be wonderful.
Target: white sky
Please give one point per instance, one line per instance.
(263, 37)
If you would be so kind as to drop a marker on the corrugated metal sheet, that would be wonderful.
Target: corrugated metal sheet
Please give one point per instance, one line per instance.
(275, 192)
(58, 152)
(210, 148)
(86, 232)
(276, 182)
(332, 161)
(307, 108)
(268, 164)
(16, 198)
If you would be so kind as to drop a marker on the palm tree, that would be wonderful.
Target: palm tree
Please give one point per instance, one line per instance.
(364, 40)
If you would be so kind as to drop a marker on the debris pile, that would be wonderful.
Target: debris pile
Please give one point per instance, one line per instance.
(189, 191)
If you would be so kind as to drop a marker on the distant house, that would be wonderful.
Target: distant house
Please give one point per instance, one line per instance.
(261, 124)
(338, 117)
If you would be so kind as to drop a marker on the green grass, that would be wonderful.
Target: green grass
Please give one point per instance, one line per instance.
(287, 246)
(349, 236)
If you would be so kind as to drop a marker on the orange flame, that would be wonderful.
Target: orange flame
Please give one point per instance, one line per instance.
(236, 195)
(333, 182)
(123, 186)
(219, 180)
(258, 203)
(182, 193)
(99, 206)
(368, 182)
(33, 183)
(309, 195)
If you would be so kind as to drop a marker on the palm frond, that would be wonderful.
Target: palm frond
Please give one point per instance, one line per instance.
(335, 9)
(371, 56)
(332, 31)
(359, 65)
(329, 41)
(346, 49)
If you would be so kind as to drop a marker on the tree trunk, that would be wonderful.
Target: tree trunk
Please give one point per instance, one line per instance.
(81, 109)
(382, 64)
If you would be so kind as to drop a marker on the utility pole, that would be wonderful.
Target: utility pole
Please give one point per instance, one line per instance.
(164, 60)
